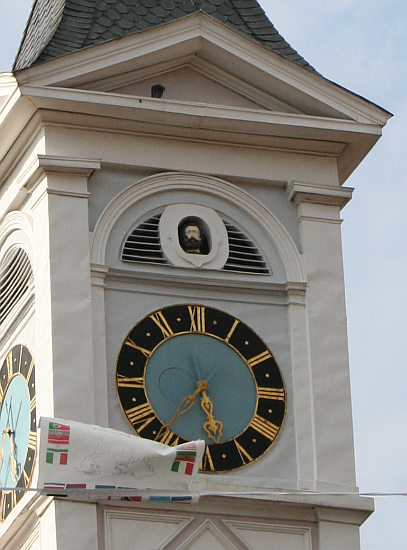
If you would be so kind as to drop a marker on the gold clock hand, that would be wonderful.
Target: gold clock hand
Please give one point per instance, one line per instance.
(184, 406)
(212, 427)
(13, 461)
(3, 442)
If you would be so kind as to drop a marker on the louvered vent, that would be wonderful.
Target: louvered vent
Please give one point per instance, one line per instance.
(143, 244)
(16, 280)
(244, 257)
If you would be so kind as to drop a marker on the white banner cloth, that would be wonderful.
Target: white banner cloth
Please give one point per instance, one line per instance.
(74, 456)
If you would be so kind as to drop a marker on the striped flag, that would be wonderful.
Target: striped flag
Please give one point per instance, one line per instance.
(185, 458)
(58, 443)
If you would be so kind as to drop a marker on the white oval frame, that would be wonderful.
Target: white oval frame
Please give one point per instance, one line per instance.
(168, 228)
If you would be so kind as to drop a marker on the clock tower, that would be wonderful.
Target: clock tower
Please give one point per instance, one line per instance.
(172, 176)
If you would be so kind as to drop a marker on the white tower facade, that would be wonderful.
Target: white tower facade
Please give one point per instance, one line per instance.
(97, 179)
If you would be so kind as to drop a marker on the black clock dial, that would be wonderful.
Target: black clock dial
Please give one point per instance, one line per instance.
(18, 429)
(194, 372)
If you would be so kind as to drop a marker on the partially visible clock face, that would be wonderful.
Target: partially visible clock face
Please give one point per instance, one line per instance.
(18, 430)
(194, 372)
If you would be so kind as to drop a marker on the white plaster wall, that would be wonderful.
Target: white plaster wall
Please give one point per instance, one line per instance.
(274, 198)
(76, 526)
(157, 153)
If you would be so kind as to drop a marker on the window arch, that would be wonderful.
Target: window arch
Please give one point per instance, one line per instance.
(16, 268)
(156, 186)
(16, 281)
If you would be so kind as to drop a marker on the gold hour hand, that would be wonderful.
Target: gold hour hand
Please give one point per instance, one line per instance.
(212, 427)
(184, 406)
(13, 460)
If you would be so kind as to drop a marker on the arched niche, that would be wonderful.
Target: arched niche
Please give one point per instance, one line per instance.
(153, 193)
(16, 230)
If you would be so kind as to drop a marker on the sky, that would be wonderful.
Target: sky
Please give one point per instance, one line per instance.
(361, 45)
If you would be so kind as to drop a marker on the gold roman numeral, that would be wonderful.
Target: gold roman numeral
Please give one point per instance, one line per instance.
(264, 427)
(141, 415)
(30, 369)
(277, 394)
(259, 358)
(145, 352)
(9, 362)
(207, 462)
(33, 403)
(127, 382)
(162, 324)
(3, 506)
(13, 498)
(20, 360)
(32, 440)
(232, 330)
(244, 455)
(197, 315)
(168, 437)
(26, 478)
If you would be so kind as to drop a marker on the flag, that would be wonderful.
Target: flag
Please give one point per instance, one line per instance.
(58, 443)
(76, 457)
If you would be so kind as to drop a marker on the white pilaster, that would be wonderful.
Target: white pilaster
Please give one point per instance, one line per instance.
(76, 526)
(98, 275)
(319, 223)
(302, 381)
(64, 344)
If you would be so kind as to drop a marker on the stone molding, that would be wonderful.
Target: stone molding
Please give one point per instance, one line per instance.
(319, 194)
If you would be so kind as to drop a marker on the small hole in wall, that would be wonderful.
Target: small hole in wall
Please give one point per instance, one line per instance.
(157, 90)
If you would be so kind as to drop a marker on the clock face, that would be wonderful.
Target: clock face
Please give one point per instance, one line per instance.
(194, 372)
(18, 430)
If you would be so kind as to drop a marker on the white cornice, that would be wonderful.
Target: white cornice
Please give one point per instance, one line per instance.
(58, 164)
(175, 281)
(346, 140)
(51, 164)
(34, 171)
(319, 194)
(184, 113)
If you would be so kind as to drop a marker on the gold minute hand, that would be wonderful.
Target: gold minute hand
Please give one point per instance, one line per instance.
(212, 427)
(184, 406)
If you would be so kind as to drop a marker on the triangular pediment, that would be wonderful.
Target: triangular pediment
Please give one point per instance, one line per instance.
(224, 68)
(219, 85)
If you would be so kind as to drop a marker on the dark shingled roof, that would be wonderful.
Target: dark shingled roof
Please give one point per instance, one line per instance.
(58, 27)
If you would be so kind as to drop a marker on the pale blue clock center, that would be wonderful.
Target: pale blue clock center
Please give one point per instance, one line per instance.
(174, 370)
(14, 431)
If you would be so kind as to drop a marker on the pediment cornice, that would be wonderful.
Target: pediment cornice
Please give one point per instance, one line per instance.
(203, 36)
